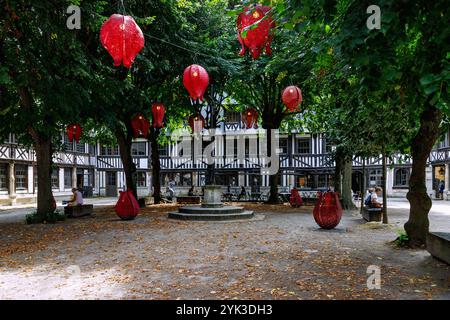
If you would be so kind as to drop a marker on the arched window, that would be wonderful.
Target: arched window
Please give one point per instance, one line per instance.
(401, 177)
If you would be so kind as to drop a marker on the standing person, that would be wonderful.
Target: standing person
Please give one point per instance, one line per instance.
(77, 198)
(376, 200)
(441, 190)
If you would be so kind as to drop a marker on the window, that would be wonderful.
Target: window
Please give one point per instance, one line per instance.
(55, 178)
(283, 145)
(109, 151)
(232, 117)
(68, 146)
(304, 181)
(326, 146)
(80, 147)
(401, 177)
(141, 179)
(3, 177)
(92, 149)
(303, 146)
(21, 173)
(67, 178)
(138, 149)
(186, 179)
(375, 177)
(162, 150)
(111, 178)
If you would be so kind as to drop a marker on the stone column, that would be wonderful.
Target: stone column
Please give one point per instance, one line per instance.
(12, 183)
(74, 177)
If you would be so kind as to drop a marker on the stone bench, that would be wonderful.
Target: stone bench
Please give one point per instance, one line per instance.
(79, 211)
(438, 245)
(189, 199)
(371, 214)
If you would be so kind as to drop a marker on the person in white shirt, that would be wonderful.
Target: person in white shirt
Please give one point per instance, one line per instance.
(376, 202)
(77, 198)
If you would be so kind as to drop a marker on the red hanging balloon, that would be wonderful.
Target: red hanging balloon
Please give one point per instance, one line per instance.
(258, 38)
(140, 126)
(74, 131)
(292, 98)
(158, 112)
(328, 210)
(127, 206)
(250, 118)
(123, 39)
(196, 122)
(195, 80)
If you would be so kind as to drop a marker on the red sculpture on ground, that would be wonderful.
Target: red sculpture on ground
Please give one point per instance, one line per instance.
(123, 39)
(250, 118)
(328, 210)
(295, 199)
(158, 111)
(140, 126)
(74, 131)
(196, 122)
(292, 97)
(127, 207)
(255, 38)
(195, 80)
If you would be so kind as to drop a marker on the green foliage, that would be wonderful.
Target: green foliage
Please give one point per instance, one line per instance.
(402, 239)
(49, 217)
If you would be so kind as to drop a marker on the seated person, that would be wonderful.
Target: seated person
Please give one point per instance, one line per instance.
(77, 198)
(191, 192)
(376, 202)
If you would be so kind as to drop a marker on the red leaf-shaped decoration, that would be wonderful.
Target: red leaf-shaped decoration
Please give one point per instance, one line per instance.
(127, 207)
(140, 126)
(292, 98)
(123, 39)
(74, 131)
(250, 118)
(328, 210)
(259, 38)
(196, 122)
(158, 111)
(195, 80)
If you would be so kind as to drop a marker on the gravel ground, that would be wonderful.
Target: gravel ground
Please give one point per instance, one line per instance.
(280, 254)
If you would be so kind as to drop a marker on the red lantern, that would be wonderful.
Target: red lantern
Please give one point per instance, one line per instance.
(195, 80)
(74, 131)
(292, 97)
(127, 207)
(158, 111)
(196, 122)
(123, 39)
(140, 126)
(250, 118)
(258, 38)
(328, 210)
(295, 200)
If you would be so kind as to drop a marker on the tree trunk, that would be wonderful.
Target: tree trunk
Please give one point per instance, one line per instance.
(385, 213)
(347, 194)
(420, 203)
(129, 166)
(156, 166)
(44, 153)
(363, 185)
(274, 178)
(339, 159)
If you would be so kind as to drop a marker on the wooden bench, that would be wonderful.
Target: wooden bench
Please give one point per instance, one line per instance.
(189, 199)
(79, 211)
(372, 214)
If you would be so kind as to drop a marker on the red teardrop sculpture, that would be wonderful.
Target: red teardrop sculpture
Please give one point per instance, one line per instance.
(123, 39)
(158, 111)
(328, 210)
(258, 38)
(250, 118)
(292, 98)
(295, 199)
(127, 206)
(195, 80)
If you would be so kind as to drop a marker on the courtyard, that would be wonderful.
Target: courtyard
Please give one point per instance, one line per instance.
(279, 254)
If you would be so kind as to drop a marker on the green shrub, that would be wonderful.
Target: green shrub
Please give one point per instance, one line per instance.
(402, 239)
(49, 217)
